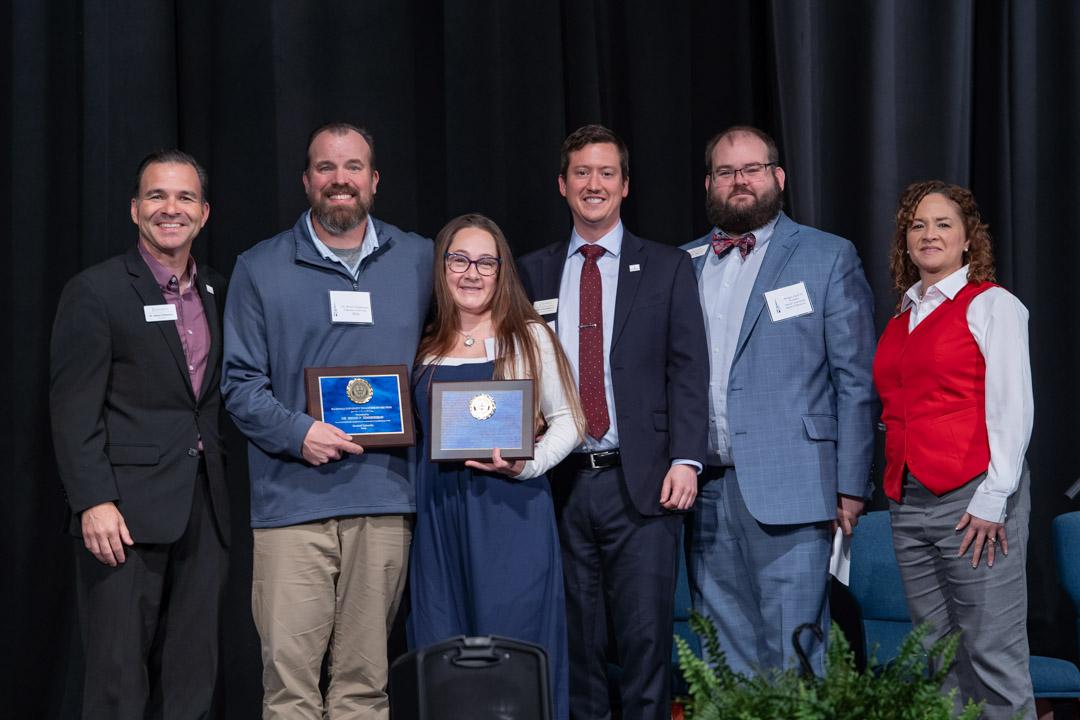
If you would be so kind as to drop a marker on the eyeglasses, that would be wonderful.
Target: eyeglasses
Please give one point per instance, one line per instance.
(485, 265)
(751, 173)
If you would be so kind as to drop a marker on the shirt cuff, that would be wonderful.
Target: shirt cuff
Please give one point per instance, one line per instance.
(986, 506)
(683, 461)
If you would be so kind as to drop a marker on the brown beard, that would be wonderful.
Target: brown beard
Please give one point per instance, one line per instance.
(340, 220)
(741, 220)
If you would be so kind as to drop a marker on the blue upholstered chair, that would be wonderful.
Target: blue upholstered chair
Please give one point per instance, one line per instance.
(876, 586)
(1066, 533)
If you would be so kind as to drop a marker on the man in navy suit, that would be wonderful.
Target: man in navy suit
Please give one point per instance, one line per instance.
(627, 315)
(790, 328)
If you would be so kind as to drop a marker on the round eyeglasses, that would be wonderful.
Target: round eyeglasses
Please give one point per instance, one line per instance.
(485, 265)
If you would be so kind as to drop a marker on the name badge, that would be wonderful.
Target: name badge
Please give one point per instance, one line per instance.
(159, 313)
(546, 307)
(698, 251)
(347, 306)
(788, 302)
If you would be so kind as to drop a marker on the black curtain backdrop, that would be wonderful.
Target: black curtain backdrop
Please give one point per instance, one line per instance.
(469, 101)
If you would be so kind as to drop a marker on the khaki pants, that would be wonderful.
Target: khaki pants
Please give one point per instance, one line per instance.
(334, 584)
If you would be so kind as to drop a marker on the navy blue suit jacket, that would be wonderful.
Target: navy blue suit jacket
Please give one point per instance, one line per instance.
(659, 365)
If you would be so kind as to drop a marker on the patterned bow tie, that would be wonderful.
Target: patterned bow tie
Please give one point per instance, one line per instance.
(721, 244)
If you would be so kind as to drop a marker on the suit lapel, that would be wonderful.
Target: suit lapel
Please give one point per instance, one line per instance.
(142, 280)
(781, 245)
(699, 261)
(551, 270)
(210, 311)
(632, 253)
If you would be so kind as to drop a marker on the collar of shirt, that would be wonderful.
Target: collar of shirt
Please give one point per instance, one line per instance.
(761, 240)
(611, 242)
(370, 244)
(163, 276)
(947, 286)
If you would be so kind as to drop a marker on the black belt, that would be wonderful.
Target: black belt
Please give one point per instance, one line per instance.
(594, 460)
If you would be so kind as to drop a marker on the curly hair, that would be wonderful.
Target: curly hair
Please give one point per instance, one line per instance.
(980, 255)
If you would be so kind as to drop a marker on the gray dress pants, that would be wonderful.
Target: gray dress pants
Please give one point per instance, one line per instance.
(987, 605)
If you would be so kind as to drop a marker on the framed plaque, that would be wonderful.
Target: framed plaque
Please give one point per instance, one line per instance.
(370, 402)
(470, 419)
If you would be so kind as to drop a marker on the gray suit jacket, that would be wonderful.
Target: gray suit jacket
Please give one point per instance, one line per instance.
(800, 395)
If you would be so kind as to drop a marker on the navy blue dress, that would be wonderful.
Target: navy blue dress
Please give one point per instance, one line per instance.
(485, 551)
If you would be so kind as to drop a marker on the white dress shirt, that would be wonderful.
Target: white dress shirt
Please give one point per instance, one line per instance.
(998, 322)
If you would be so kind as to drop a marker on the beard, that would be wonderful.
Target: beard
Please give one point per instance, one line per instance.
(340, 219)
(739, 220)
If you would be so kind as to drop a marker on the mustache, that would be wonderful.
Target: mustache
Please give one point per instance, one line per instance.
(340, 190)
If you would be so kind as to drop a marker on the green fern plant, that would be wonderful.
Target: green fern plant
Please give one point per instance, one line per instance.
(902, 690)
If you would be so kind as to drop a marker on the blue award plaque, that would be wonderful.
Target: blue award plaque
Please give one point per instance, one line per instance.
(470, 419)
(370, 402)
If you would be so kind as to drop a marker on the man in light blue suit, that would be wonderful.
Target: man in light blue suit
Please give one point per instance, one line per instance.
(789, 318)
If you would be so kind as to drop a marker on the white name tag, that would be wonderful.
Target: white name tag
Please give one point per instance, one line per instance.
(347, 306)
(788, 302)
(546, 307)
(698, 251)
(159, 313)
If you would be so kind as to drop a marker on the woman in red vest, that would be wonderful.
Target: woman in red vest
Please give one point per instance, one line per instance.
(954, 377)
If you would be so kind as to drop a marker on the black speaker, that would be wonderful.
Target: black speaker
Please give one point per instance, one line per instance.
(471, 678)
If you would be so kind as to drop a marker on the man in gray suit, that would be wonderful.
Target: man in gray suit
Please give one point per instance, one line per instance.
(789, 320)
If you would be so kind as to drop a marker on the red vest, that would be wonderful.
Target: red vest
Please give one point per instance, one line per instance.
(932, 384)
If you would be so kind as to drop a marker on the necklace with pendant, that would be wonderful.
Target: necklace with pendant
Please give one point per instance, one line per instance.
(468, 340)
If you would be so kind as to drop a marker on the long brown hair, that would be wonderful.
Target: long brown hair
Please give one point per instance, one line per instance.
(512, 317)
(980, 255)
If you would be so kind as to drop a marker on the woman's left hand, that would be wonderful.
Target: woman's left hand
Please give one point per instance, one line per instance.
(498, 465)
(981, 535)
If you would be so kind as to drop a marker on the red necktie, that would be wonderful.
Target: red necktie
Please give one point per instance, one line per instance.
(591, 344)
(721, 244)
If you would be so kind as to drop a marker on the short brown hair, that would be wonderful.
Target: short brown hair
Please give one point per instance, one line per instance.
(772, 151)
(591, 135)
(980, 255)
(339, 128)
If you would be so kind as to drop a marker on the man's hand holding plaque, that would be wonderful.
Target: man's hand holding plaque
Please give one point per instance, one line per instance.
(325, 443)
(364, 406)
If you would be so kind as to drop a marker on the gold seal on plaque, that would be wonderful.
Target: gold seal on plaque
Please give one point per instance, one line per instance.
(359, 390)
(482, 406)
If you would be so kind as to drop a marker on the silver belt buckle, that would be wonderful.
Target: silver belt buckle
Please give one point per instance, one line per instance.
(592, 461)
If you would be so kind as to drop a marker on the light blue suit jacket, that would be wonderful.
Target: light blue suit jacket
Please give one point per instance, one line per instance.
(800, 394)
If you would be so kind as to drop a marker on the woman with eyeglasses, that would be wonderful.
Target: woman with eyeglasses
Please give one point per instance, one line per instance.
(954, 377)
(485, 553)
